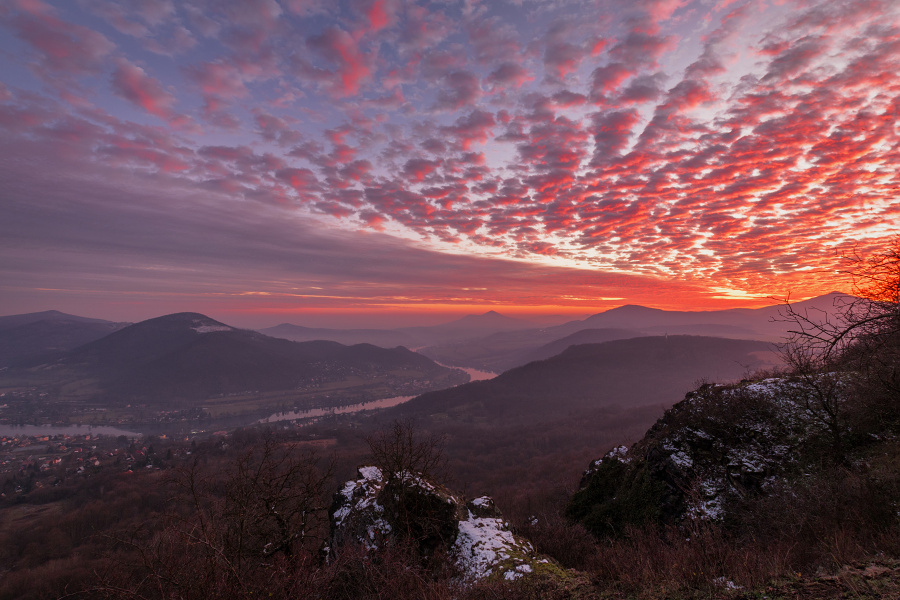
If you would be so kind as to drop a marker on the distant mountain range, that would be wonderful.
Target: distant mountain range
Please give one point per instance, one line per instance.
(501, 351)
(189, 356)
(411, 337)
(489, 341)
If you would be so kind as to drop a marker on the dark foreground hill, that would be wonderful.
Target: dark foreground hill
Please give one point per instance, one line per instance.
(631, 372)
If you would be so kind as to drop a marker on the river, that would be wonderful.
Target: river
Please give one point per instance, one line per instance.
(336, 410)
(474, 375)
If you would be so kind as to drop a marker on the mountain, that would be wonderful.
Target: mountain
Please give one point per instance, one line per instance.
(25, 338)
(386, 338)
(761, 323)
(190, 356)
(501, 351)
(10, 321)
(489, 320)
(584, 336)
(628, 372)
(504, 350)
(412, 337)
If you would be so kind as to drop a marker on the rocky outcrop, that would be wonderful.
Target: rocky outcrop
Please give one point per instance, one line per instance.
(374, 512)
(719, 446)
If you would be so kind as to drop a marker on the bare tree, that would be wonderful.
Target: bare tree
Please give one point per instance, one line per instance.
(412, 464)
(399, 451)
(858, 347)
(255, 526)
(275, 493)
(869, 320)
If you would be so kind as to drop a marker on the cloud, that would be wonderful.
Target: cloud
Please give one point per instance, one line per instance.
(509, 74)
(458, 89)
(474, 127)
(657, 140)
(64, 49)
(338, 47)
(492, 40)
(132, 83)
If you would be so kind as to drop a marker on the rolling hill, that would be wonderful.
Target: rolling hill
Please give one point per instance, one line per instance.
(26, 337)
(627, 373)
(188, 356)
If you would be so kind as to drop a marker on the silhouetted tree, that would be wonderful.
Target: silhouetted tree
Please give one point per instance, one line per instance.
(856, 350)
(399, 450)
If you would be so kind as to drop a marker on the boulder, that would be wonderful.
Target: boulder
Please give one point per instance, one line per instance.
(373, 512)
(719, 446)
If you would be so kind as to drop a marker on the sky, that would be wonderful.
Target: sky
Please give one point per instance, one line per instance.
(381, 162)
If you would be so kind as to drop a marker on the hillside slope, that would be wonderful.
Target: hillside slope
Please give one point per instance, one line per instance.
(25, 338)
(190, 356)
(631, 372)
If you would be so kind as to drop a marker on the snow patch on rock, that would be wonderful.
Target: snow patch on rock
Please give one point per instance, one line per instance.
(481, 543)
(485, 545)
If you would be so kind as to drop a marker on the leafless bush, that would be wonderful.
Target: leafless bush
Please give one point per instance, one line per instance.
(569, 543)
(392, 572)
(254, 526)
(400, 450)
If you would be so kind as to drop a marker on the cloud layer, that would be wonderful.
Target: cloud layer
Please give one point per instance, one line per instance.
(716, 149)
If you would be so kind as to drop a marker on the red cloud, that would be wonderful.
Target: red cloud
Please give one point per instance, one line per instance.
(509, 74)
(417, 169)
(474, 127)
(337, 46)
(132, 83)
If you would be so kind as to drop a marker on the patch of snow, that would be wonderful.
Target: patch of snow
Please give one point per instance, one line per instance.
(682, 460)
(369, 474)
(211, 328)
(726, 583)
(483, 543)
(618, 453)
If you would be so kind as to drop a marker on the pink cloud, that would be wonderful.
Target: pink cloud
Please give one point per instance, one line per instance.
(65, 49)
(474, 127)
(563, 58)
(459, 89)
(132, 83)
(492, 40)
(612, 129)
(607, 79)
(380, 15)
(509, 74)
(417, 169)
(338, 47)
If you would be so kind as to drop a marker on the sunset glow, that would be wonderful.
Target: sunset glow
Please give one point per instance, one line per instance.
(328, 162)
